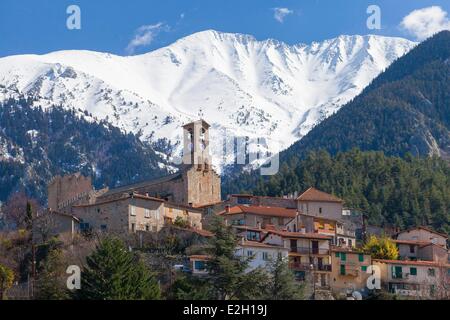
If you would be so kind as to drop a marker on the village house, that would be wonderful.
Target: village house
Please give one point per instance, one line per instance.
(345, 234)
(50, 224)
(422, 243)
(423, 234)
(261, 254)
(320, 204)
(248, 199)
(415, 279)
(258, 216)
(250, 233)
(197, 264)
(134, 212)
(308, 253)
(312, 224)
(349, 271)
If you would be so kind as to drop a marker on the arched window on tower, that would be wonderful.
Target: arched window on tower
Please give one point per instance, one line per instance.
(191, 140)
(202, 139)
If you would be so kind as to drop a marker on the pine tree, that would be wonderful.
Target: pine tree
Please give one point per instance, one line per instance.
(282, 284)
(227, 271)
(51, 280)
(114, 273)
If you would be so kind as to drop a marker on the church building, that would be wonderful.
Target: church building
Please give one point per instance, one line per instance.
(195, 185)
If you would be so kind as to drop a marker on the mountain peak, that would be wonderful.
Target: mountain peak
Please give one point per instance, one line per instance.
(257, 89)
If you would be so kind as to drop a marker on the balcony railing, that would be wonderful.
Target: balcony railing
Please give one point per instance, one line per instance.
(307, 266)
(304, 250)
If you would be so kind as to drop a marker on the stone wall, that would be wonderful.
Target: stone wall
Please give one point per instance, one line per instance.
(202, 187)
(68, 189)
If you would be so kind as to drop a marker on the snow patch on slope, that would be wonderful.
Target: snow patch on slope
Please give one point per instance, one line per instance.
(267, 91)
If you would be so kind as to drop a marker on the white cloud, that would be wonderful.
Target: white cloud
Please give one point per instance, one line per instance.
(423, 23)
(281, 13)
(144, 36)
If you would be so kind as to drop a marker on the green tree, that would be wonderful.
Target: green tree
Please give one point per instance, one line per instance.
(381, 248)
(29, 216)
(6, 280)
(114, 273)
(51, 280)
(188, 287)
(281, 284)
(180, 222)
(227, 274)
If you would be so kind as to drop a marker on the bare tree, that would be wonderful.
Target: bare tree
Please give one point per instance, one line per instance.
(44, 227)
(16, 212)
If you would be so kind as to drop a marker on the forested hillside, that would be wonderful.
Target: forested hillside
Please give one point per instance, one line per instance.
(405, 110)
(37, 144)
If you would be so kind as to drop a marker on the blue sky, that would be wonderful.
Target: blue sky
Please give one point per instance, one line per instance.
(39, 26)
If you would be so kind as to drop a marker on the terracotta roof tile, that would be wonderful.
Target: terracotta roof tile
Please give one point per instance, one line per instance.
(426, 229)
(413, 242)
(312, 194)
(262, 211)
(202, 232)
(288, 234)
(413, 263)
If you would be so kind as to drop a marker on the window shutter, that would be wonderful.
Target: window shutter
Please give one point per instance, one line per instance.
(343, 269)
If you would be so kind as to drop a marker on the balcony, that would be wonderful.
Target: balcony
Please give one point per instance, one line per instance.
(400, 275)
(307, 267)
(309, 251)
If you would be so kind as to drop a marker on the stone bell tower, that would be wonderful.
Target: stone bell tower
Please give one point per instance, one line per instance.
(200, 182)
(196, 145)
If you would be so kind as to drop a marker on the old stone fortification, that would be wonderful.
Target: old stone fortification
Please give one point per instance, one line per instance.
(69, 189)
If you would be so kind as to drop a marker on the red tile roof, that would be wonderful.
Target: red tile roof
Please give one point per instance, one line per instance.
(261, 211)
(312, 194)
(288, 234)
(426, 229)
(202, 232)
(123, 197)
(248, 228)
(209, 204)
(413, 242)
(414, 263)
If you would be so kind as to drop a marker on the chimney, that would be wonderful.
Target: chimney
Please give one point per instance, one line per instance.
(227, 208)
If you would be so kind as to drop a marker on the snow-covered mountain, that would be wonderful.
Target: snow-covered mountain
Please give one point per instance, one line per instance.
(265, 90)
